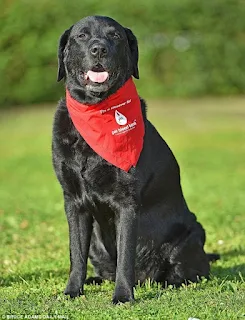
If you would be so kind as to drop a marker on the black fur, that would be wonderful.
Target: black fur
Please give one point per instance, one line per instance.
(135, 225)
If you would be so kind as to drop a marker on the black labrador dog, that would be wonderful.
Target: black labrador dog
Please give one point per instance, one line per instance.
(132, 225)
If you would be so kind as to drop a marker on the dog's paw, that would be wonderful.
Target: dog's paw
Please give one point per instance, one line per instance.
(73, 289)
(73, 292)
(122, 295)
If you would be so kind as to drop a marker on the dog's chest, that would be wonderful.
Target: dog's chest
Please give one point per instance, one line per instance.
(101, 181)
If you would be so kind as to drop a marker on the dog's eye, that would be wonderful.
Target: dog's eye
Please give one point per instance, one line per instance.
(114, 35)
(82, 36)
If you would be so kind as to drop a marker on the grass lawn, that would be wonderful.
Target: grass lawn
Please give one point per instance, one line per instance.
(207, 137)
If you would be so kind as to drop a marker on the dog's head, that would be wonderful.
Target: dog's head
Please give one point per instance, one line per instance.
(96, 56)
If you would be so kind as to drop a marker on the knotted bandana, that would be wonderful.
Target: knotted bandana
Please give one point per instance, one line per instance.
(113, 128)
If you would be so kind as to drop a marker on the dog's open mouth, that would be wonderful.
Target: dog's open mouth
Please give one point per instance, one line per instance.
(97, 74)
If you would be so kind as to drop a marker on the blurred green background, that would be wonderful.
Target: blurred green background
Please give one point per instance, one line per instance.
(187, 48)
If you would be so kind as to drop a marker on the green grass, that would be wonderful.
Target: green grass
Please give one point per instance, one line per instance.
(208, 138)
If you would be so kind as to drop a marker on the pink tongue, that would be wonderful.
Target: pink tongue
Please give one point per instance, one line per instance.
(97, 76)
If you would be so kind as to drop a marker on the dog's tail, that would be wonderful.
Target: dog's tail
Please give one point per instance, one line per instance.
(213, 257)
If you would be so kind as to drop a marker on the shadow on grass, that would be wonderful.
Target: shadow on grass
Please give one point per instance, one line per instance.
(230, 273)
(233, 253)
(221, 273)
(33, 276)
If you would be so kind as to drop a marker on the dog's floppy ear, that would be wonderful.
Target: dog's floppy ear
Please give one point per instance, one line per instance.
(62, 44)
(133, 45)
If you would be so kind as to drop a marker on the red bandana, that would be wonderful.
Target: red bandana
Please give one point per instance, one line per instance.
(113, 128)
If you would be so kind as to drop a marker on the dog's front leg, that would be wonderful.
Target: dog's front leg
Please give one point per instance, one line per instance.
(80, 229)
(126, 248)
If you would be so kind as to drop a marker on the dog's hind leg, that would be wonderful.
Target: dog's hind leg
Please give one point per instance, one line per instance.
(104, 268)
(103, 259)
(187, 262)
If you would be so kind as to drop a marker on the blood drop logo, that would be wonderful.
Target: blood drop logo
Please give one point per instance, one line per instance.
(120, 118)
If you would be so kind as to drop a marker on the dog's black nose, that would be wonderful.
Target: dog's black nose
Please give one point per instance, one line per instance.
(98, 50)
